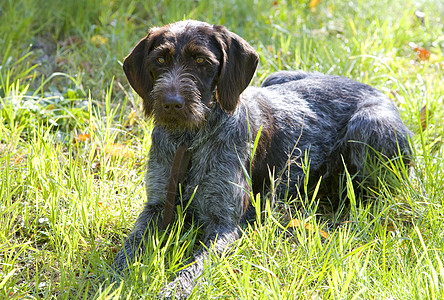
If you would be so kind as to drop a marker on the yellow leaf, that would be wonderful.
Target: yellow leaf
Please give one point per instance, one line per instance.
(313, 4)
(309, 227)
(294, 223)
(391, 228)
(83, 137)
(98, 40)
(132, 117)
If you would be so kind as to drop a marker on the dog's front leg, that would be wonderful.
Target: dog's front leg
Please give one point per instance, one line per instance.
(134, 245)
(218, 241)
(156, 180)
(220, 202)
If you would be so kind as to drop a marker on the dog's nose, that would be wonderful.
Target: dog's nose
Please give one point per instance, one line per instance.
(173, 103)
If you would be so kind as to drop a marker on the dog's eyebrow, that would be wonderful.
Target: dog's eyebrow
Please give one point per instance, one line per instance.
(164, 49)
(194, 50)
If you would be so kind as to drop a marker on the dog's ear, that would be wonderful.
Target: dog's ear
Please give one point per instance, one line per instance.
(238, 66)
(135, 69)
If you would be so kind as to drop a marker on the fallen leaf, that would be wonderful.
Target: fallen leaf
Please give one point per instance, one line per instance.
(83, 137)
(132, 117)
(422, 53)
(390, 228)
(313, 4)
(309, 227)
(294, 223)
(237, 271)
(98, 40)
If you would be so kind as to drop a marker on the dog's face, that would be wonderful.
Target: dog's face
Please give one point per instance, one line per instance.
(181, 70)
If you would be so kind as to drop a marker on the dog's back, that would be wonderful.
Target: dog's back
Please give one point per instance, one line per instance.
(333, 119)
(284, 76)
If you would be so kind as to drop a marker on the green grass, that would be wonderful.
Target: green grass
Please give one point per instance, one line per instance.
(66, 204)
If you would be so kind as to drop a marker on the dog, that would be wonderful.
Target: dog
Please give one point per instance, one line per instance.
(193, 78)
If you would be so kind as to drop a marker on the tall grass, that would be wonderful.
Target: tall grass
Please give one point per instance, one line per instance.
(74, 142)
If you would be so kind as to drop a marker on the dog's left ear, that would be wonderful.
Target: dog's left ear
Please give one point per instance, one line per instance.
(238, 66)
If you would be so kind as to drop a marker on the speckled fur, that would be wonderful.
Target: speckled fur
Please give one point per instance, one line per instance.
(301, 113)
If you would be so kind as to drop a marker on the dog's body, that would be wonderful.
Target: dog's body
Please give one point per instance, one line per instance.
(192, 77)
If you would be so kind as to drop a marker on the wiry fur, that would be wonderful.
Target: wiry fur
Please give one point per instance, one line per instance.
(329, 118)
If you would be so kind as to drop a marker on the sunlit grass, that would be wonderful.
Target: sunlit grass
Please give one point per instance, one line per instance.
(74, 143)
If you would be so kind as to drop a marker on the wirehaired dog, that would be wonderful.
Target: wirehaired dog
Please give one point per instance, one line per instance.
(193, 78)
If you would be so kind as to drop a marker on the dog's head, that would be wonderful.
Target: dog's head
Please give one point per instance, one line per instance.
(179, 70)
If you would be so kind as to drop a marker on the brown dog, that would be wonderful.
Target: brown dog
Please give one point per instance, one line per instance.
(192, 78)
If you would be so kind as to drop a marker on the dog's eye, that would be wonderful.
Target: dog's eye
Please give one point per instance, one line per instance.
(161, 60)
(199, 60)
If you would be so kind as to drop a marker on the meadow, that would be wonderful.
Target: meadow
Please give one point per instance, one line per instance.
(74, 143)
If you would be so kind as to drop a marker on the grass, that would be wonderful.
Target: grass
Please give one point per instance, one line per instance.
(74, 143)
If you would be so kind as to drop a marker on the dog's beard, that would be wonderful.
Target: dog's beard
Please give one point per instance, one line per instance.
(197, 106)
(192, 117)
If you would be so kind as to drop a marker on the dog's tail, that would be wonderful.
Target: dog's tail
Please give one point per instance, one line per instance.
(285, 76)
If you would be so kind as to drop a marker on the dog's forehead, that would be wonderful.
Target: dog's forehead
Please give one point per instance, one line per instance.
(185, 37)
(190, 31)
(187, 26)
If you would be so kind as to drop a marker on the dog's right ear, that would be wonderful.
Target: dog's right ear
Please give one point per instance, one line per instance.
(135, 69)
